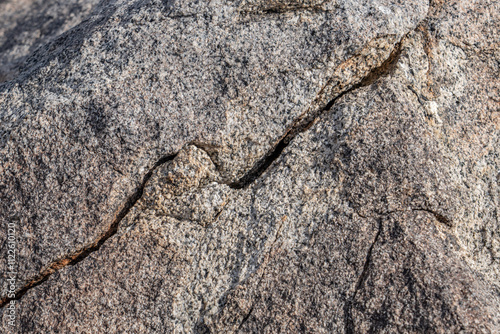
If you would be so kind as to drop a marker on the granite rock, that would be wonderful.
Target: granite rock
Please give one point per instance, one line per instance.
(25, 25)
(257, 166)
(96, 108)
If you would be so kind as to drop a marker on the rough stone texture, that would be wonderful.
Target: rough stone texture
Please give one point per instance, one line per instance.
(26, 25)
(460, 92)
(379, 216)
(97, 107)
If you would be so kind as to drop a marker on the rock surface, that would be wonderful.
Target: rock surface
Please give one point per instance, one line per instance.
(25, 25)
(252, 166)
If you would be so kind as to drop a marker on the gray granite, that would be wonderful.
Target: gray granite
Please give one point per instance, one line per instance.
(258, 167)
(97, 107)
(25, 25)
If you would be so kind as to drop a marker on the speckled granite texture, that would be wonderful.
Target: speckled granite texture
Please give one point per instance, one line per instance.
(250, 166)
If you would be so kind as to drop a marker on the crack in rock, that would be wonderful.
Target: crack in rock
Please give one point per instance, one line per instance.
(303, 123)
(348, 320)
(300, 125)
(439, 217)
(85, 251)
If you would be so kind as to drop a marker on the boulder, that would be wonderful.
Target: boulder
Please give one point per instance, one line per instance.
(251, 166)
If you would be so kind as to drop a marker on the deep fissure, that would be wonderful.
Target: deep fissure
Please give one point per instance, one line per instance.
(303, 124)
(299, 126)
(85, 251)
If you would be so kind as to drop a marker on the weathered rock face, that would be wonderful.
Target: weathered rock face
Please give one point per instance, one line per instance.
(26, 25)
(254, 166)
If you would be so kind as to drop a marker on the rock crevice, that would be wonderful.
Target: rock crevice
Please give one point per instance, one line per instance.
(329, 166)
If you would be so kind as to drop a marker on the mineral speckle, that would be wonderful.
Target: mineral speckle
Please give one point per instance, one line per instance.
(251, 166)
